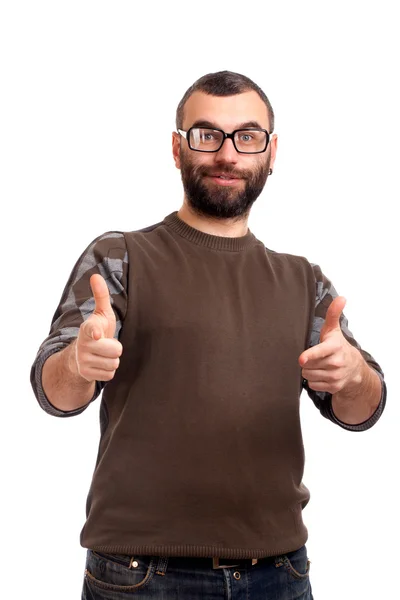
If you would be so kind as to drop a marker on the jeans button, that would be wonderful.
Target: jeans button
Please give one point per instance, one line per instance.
(134, 564)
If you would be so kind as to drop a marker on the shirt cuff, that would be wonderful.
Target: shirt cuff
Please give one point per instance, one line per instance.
(365, 424)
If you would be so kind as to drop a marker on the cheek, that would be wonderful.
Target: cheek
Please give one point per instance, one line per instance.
(195, 162)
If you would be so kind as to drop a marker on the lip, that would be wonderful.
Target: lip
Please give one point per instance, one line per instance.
(222, 179)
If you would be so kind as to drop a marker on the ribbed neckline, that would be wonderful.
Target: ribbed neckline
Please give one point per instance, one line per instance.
(216, 242)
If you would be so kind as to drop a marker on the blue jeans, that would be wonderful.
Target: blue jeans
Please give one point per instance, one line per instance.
(121, 577)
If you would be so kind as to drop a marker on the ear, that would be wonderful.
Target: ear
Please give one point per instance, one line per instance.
(274, 146)
(176, 145)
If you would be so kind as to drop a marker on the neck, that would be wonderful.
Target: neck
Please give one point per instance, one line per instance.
(212, 226)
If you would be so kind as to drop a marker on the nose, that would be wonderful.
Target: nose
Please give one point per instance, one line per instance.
(227, 153)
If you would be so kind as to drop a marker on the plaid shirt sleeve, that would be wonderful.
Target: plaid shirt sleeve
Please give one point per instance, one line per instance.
(325, 293)
(106, 255)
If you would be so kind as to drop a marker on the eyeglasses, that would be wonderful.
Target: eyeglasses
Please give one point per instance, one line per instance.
(245, 141)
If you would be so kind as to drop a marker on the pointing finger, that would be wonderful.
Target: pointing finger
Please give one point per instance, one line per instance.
(101, 294)
(92, 330)
(332, 319)
(317, 352)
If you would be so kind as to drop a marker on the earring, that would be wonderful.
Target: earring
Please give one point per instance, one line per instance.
(270, 172)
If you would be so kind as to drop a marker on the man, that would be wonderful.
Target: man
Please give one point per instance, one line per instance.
(202, 340)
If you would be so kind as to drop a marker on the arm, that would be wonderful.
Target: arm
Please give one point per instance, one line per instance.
(69, 378)
(62, 383)
(358, 400)
(343, 380)
(54, 374)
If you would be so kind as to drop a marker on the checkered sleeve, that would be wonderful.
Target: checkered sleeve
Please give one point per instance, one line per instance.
(325, 293)
(106, 255)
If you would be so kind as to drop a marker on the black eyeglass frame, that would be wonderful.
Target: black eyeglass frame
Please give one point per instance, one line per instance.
(186, 135)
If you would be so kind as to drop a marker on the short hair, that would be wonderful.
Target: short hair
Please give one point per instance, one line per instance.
(223, 83)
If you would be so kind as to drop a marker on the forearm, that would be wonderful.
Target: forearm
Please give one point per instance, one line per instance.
(64, 387)
(358, 401)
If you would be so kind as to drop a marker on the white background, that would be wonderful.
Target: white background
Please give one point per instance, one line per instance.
(89, 92)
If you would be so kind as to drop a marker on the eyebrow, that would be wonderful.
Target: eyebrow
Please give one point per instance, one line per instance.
(246, 124)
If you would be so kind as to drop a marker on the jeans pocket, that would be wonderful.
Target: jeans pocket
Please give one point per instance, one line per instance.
(296, 563)
(112, 573)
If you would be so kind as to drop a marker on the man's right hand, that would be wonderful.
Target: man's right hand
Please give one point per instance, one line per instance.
(97, 352)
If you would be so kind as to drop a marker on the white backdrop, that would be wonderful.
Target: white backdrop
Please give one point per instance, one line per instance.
(89, 92)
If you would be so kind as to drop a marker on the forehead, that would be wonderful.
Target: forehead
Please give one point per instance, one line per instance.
(225, 112)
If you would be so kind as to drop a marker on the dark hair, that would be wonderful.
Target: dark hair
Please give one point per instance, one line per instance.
(223, 83)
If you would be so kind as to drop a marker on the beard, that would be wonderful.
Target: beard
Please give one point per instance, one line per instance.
(217, 201)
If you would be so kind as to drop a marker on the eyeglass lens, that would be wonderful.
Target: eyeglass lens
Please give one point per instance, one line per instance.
(210, 140)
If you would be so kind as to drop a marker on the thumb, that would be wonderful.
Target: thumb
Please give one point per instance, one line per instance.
(102, 321)
(332, 318)
(101, 295)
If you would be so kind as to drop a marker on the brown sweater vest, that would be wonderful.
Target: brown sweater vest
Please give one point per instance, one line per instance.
(201, 451)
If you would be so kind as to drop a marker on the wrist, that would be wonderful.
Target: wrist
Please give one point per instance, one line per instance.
(358, 401)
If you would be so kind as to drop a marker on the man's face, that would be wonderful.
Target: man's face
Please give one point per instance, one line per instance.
(226, 183)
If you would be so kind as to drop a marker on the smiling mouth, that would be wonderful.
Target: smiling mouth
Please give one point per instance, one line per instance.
(225, 181)
(223, 175)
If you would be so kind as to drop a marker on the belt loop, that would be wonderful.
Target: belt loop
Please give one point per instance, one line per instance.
(217, 564)
(162, 565)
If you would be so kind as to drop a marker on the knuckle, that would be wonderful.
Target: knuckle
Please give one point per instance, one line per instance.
(84, 372)
(335, 376)
(87, 325)
(109, 375)
(314, 386)
(337, 362)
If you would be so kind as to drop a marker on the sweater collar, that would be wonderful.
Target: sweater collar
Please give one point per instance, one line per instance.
(216, 242)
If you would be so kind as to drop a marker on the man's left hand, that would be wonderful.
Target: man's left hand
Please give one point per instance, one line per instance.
(333, 364)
